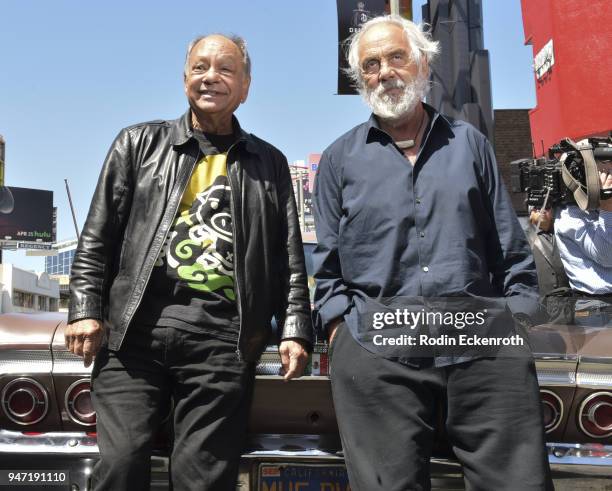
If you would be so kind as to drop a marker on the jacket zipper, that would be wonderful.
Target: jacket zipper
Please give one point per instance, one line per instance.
(182, 186)
(233, 207)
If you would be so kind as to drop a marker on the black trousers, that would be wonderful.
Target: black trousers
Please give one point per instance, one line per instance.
(386, 415)
(131, 390)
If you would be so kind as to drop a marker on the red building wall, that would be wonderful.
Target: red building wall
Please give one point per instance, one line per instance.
(574, 97)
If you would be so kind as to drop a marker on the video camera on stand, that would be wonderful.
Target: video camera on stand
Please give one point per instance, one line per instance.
(568, 176)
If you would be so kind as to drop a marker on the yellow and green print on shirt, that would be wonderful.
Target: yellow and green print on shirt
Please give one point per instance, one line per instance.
(199, 249)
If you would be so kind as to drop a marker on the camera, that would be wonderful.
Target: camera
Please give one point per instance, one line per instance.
(568, 176)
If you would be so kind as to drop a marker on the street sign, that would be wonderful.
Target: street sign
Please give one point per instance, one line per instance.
(34, 246)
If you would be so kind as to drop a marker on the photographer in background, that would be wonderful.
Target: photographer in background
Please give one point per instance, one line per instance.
(584, 240)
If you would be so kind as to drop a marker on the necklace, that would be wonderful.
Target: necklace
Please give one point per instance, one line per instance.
(406, 144)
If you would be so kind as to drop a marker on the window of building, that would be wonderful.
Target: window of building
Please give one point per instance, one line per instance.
(55, 305)
(41, 303)
(61, 263)
(23, 299)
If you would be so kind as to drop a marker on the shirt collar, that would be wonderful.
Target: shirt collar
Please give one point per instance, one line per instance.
(374, 131)
(182, 132)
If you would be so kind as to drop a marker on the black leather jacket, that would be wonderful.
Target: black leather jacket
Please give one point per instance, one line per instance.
(134, 204)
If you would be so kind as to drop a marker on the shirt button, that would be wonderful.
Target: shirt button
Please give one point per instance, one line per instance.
(418, 201)
(422, 234)
(425, 268)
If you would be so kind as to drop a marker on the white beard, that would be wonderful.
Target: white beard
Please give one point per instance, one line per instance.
(395, 107)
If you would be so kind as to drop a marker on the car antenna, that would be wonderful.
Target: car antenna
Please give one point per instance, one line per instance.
(72, 209)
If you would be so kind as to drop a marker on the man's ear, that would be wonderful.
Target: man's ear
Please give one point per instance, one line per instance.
(245, 89)
(425, 68)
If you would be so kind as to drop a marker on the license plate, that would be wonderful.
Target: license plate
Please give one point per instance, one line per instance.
(42, 477)
(303, 477)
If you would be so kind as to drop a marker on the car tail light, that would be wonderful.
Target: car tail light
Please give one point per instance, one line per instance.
(595, 415)
(25, 401)
(552, 410)
(78, 403)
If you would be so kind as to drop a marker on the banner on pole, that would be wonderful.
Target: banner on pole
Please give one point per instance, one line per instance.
(351, 15)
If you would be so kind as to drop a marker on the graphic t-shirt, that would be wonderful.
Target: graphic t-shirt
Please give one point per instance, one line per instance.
(192, 283)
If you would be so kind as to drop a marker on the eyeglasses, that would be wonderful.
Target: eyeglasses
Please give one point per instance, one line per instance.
(372, 66)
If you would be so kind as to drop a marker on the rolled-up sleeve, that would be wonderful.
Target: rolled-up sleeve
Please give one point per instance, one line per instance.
(593, 236)
(332, 299)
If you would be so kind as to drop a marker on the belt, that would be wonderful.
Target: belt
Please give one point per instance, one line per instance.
(578, 293)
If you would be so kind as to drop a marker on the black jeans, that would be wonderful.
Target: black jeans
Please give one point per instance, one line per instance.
(132, 389)
(387, 414)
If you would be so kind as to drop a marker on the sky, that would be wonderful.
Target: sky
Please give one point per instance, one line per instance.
(73, 73)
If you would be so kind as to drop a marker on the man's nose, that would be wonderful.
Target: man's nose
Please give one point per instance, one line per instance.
(211, 76)
(386, 71)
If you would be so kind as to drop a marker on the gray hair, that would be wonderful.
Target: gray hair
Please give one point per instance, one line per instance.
(419, 39)
(237, 40)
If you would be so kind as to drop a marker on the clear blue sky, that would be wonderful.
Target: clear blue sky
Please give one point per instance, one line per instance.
(73, 73)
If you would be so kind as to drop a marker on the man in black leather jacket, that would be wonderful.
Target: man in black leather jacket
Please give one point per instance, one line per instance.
(191, 245)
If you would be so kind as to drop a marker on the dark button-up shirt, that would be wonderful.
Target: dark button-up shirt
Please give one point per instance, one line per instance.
(444, 227)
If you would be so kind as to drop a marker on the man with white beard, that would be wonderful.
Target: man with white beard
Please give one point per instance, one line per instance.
(411, 204)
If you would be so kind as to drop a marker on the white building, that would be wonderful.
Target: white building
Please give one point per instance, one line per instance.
(26, 291)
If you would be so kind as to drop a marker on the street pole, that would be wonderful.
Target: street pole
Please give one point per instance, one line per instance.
(76, 228)
(300, 199)
(1, 175)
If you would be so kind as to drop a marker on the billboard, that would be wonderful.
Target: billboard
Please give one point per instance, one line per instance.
(26, 215)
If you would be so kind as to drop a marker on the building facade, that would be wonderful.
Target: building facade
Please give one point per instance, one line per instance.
(26, 291)
(61, 264)
(512, 142)
(571, 44)
(59, 267)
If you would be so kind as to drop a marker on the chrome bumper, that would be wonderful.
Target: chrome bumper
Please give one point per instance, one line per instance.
(80, 452)
(60, 443)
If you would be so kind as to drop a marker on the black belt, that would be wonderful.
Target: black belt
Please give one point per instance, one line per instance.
(578, 293)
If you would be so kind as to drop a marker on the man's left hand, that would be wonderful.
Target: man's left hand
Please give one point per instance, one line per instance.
(293, 358)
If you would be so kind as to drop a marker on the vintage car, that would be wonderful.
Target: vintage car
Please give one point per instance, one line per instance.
(48, 432)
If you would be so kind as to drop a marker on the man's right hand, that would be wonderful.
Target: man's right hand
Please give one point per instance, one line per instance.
(84, 338)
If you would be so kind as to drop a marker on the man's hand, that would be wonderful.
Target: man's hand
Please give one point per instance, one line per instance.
(293, 358)
(84, 338)
(605, 177)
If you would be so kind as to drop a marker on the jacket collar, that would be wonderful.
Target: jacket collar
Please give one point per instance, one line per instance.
(182, 132)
